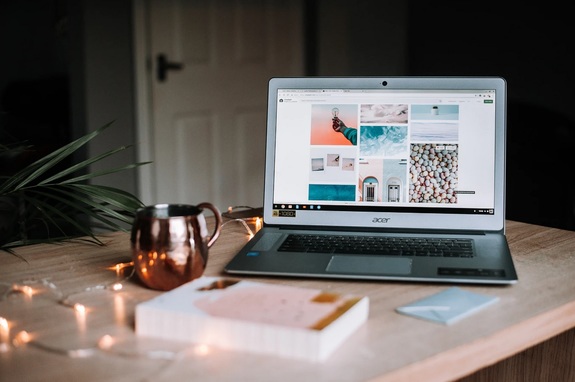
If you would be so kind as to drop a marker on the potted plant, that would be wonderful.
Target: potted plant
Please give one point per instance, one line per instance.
(42, 203)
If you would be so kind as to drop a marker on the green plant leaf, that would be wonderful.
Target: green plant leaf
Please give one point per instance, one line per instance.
(49, 213)
(62, 208)
(83, 203)
(41, 166)
(105, 172)
(9, 247)
(81, 165)
(113, 196)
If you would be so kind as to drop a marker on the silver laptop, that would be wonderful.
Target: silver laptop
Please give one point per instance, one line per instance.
(384, 178)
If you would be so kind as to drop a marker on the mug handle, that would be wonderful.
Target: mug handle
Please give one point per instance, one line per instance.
(218, 216)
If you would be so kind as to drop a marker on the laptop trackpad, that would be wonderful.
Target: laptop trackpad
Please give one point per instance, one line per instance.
(369, 265)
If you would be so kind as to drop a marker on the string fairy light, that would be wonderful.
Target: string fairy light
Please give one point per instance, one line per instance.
(242, 222)
(4, 335)
(107, 343)
(246, 214)
(119, 267)
(29, 288)
(22, 338)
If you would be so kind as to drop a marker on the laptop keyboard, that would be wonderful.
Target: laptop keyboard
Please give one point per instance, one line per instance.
(375, 245)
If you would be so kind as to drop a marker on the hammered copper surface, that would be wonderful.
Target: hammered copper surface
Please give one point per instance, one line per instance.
(170, 243)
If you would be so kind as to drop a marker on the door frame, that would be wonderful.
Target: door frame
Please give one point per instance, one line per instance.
(142, 100)
(143, 103)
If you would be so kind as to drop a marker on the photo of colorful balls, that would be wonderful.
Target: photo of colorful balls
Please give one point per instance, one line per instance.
(433, 173)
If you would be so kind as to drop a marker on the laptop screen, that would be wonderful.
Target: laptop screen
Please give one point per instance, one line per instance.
(411, 153)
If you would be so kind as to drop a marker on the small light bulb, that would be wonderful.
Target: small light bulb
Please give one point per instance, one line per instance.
(335, 112)
(4, 333)
(3, 323)
(202, 350)
(22, 338)
(28, 291)
(106, 342)
(258, 224)
(79, 308)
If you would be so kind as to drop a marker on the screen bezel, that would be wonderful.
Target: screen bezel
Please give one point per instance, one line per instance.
(389, 219)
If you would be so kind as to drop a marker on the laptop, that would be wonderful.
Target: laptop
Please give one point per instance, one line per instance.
(384, 178)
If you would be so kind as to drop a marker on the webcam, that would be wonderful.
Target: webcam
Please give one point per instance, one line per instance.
(384, 83)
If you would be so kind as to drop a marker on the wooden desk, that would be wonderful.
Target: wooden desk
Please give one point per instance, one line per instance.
(389, 347)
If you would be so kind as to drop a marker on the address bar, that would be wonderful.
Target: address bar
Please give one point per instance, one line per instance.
(395, 95)
(394, 99)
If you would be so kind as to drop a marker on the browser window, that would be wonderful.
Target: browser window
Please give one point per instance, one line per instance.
(388, 149)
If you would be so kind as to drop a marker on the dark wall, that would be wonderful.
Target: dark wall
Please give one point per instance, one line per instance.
(66, 69)
(530, 46)
(33, 75)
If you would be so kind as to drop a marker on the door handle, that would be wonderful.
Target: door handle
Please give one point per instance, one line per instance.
(163, 65)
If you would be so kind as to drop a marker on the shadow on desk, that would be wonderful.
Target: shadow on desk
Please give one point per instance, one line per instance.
(545, 362)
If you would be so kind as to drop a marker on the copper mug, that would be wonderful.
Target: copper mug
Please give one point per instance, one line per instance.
(170, 243)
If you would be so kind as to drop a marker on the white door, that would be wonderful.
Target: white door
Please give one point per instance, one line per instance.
(206, 123)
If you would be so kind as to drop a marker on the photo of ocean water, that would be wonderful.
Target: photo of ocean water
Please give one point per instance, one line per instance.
(383, 141)
(341, 192)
